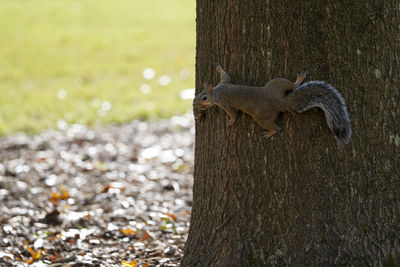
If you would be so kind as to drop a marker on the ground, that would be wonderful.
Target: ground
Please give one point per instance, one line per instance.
(107, 196)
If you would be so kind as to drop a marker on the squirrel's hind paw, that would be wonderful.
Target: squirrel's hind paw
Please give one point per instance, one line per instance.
(300, 78)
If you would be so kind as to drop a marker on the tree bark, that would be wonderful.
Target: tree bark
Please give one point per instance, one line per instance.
(297, 198)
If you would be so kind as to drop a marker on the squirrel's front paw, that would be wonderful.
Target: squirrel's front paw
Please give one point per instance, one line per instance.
(268, 134)
(231, 122)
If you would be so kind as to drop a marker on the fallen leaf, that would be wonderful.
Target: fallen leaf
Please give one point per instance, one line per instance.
(129, 264)
(71, 241)
(55, 197)
(128, 231)
(172, 216)
(53, 257)
(145, 235)
(34, 255)
(64, 193)
(107, 187)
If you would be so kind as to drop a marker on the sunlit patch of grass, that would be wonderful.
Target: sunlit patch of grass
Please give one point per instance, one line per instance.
(63, 59)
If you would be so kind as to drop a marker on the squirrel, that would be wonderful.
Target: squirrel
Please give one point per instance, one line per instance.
(278, 95)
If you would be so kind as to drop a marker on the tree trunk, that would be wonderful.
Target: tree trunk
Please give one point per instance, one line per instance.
(297, 198)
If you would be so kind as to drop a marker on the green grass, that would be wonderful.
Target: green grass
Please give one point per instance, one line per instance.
(95, 51)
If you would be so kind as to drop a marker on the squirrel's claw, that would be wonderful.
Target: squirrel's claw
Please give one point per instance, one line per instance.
(231, 122)
(303, 73)
(265, 134)
(268, 134)
(300, 78)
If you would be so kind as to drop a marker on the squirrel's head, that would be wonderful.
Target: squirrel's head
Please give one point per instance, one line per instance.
(204, 100)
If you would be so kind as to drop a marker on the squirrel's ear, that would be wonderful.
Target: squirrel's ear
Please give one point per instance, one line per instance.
(209, 88)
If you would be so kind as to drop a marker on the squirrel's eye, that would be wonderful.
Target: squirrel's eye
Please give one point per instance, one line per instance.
(205, 98)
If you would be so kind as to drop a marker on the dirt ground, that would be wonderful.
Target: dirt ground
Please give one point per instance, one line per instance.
(107, 196)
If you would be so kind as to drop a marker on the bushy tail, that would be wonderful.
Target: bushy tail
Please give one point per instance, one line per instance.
(325, 96)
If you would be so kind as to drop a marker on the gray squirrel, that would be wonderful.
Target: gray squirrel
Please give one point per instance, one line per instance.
(265, 103)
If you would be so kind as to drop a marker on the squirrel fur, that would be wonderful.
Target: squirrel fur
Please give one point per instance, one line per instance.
(265, 103)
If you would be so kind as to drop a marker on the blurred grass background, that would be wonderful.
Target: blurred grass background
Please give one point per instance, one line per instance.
(83, 61)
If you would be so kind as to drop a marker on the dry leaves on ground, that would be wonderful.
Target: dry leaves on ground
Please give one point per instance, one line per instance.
(112, 196)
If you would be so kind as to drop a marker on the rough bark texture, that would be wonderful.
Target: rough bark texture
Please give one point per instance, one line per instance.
(297, 199)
